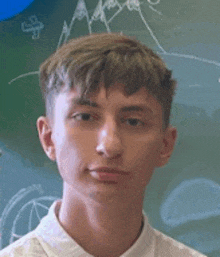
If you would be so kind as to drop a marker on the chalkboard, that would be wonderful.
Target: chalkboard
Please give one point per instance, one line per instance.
(183, 198)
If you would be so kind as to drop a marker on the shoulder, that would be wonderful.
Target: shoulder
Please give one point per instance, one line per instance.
(166, 246)
(27, 246)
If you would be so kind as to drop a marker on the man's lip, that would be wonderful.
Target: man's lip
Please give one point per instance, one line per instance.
(110, 170)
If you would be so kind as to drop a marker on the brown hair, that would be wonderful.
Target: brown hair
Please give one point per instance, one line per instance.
(111, 57)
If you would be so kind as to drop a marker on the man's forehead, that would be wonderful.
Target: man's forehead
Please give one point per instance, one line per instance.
(117, 88)
(139, 101)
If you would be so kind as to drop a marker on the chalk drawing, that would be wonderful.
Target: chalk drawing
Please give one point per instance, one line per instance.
(193, 199)
(24, 75)
(34, 26)
(111, 4)
(154, 3)
(132, 5)
(34, 204)
(152, 8)
(99, 14)
(80, 13)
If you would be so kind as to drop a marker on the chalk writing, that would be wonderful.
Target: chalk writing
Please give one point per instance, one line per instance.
(34, 26)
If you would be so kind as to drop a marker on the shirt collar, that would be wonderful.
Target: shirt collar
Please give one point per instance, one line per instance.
(56, 241)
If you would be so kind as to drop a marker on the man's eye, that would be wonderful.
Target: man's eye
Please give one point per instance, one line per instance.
(134, 122)
(88, 117)
(82, 116)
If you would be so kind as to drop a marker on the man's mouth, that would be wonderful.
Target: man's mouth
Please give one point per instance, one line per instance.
(108, 174)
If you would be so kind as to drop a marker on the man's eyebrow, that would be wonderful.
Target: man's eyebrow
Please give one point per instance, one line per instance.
(83, 101)
(137, 108)
(86, 102)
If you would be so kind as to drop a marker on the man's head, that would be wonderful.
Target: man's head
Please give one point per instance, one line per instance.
(108, 102)
(84, 62)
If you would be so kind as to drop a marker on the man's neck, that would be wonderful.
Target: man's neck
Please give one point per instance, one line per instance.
(99, 229)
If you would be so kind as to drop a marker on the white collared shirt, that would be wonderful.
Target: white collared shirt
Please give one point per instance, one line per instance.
(49, 239)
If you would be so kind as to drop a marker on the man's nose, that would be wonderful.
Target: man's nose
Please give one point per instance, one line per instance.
(109, 140)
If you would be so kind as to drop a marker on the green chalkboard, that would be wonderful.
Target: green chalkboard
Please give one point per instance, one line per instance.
(183, 198)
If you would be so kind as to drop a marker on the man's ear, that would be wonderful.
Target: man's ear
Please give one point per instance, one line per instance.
(45, 136)
(169, 140)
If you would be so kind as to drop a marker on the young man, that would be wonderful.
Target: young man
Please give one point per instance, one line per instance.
(108, 99)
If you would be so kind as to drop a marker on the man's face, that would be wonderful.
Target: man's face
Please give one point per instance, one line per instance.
(116, 132)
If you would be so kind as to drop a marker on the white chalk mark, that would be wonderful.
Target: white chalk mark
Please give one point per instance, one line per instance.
(151, 32)
(64, 33)
(80, 13)
(17, 236)
(13, 201)
(111, 4)
(219, 80)
(35, 208)
(192, 57)
(34, 203)
(152, 8)
(116, 13)
(42, 205)
(81, 10)
(133, 5)
(99, 14)
(35, 26)
(24, 75)
(194, 199)
(30, 218)
(153, 3)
